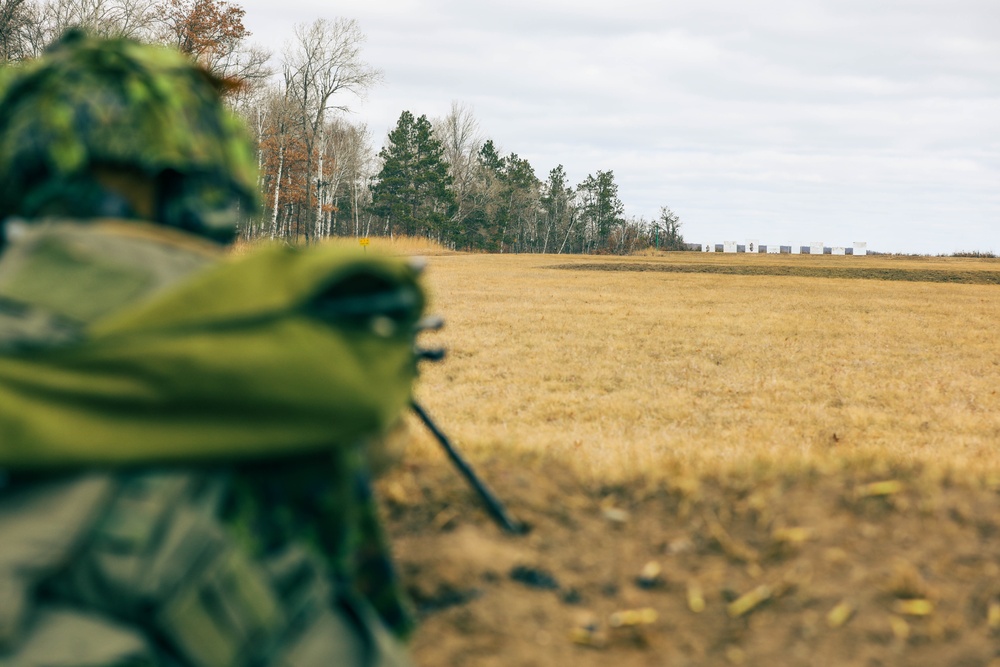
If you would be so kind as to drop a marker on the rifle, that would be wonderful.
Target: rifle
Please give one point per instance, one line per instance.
(494, 507)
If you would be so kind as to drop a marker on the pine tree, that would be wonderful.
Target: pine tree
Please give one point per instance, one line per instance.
(601, 209)
(412, 193)
(506, 203)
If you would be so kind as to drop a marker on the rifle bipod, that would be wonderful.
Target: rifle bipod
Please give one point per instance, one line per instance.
(494, 507)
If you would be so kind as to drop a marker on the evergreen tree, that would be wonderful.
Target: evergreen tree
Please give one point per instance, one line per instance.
(600, 208)
(412, 192)
(506, 206)
(480, 228)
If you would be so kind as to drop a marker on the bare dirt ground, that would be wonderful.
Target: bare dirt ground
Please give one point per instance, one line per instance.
(760, 567)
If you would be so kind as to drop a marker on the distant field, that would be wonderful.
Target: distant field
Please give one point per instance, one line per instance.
(625, 365)
(802, 269)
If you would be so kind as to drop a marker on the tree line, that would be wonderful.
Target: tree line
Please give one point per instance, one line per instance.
(321, 176)
(443, 180)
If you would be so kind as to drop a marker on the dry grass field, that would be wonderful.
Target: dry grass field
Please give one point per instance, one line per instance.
(722, 460)
(620, 371)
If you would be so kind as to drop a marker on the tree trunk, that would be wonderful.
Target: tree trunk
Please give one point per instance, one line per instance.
(277, 191)
(569, 230)
(319, 193)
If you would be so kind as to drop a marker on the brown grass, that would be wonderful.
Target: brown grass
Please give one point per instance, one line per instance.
(616, 373)
(398, 245)
(401, 245)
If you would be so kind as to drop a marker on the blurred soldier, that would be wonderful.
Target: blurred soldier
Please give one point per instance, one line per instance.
(184, 441)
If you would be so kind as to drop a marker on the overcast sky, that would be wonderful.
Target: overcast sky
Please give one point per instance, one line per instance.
(785, 121)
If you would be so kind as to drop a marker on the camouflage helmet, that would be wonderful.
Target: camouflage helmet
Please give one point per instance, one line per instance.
(148, 111)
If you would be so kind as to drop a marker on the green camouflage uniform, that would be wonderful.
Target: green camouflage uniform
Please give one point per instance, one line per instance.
(182, 439)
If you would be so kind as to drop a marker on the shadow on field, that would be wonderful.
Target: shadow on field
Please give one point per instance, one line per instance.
(858, 273)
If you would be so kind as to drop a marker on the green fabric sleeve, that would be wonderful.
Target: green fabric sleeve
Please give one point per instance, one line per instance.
(252, 358)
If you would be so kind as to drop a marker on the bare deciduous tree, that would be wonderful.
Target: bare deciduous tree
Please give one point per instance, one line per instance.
(135, 19)
(16, 21)
(248, 64)
(350, 169)
(321, 63)
(461, 138)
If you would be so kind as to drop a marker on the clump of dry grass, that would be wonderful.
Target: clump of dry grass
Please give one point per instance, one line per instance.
(648, 252)
(619, 373)
(396, 245)
(407, 245)
(242, 247)
(984, 254)
(652, 251)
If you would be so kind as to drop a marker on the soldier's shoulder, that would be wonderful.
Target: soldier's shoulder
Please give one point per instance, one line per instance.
(58, 276)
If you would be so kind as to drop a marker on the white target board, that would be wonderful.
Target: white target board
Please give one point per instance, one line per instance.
(816, 248)
(753, 246)
(838, 250)
(796, 249)
(860, 248)
(773, 249)
(706, 248)
(729, 246)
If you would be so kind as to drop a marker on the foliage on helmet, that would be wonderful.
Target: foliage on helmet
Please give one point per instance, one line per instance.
(117, 103)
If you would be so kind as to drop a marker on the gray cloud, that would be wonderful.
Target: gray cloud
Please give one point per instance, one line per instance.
(780, 120)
